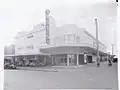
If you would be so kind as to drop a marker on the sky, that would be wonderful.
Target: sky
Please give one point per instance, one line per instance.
(19, 15)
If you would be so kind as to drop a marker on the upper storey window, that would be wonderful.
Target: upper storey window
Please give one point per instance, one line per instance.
(30, 47)
(94, 43)
(77, 39)
(70, 37)
(30, 36)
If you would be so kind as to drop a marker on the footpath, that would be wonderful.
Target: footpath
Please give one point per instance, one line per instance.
(64, 68)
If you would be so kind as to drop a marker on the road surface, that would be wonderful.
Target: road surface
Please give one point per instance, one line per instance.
(88, 76)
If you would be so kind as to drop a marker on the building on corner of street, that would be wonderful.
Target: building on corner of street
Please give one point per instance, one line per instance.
(69, 45)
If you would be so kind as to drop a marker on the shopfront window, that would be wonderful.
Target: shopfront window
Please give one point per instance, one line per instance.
(72, 59)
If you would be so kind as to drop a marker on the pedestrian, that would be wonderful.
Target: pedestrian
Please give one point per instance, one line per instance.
(98, 64)
(109, 61)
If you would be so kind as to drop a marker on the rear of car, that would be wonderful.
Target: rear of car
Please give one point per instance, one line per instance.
(115, 60)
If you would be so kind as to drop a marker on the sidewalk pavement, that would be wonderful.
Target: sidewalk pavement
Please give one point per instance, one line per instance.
(63, 68)
(49, 69)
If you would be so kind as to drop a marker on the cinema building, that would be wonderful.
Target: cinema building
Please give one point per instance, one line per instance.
(69, 46)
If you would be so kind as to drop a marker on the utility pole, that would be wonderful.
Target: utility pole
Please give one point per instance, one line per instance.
(13, 46)
(47, 12)
(112, 49)
(97, 42)
(114, 45)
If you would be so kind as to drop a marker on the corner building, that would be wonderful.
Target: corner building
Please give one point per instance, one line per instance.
(69, 46)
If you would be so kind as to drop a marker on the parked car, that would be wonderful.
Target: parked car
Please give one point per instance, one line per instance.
(9, 66)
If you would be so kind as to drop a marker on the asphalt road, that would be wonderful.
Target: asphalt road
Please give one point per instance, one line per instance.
(85, 77)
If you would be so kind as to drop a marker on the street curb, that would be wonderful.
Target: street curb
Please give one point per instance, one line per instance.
(37, 70)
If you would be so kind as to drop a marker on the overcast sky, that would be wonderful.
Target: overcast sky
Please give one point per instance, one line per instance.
(19, 15)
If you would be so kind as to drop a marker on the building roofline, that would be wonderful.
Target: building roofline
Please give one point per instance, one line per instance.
(30, 32)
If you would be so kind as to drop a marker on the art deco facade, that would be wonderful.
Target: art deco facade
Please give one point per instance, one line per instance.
(69, 45)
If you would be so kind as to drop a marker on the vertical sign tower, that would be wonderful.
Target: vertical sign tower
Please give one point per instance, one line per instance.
(47, 12)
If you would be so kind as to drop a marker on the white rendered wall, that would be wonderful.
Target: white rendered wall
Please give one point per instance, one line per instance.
(25, 45)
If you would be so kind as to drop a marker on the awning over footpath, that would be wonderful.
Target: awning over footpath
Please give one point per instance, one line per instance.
(69, 50)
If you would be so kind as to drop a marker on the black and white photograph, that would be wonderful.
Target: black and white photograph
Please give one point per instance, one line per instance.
(60, 44)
